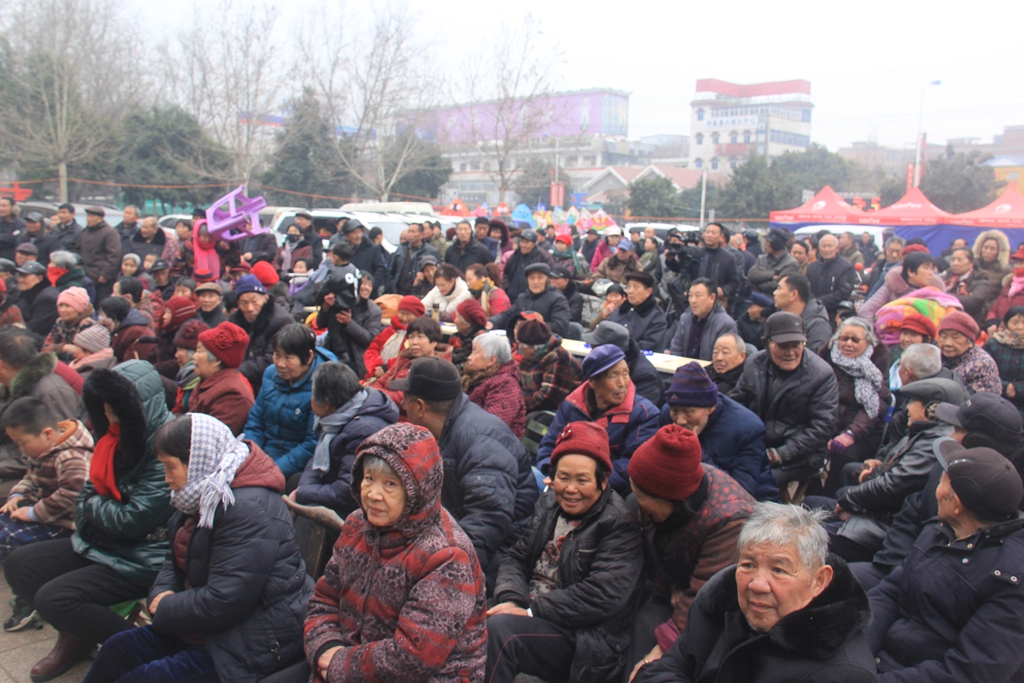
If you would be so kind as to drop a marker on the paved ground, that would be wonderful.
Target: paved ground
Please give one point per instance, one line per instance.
(19, 651)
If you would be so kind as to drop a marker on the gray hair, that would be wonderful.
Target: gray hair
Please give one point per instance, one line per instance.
(150, 220)
(334, 384)
(494, 346)
(63, 259)
(740, 342)
(376, 465)
(869, 332)
(923, 360)
(778, 525)
(895, 240)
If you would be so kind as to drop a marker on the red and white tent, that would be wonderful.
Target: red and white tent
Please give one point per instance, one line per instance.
(826, 207)
(913, 208)
(1005, 212)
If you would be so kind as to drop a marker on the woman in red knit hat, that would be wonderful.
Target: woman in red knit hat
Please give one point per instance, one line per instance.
(222, 391)
(914, 329)
(580, 564)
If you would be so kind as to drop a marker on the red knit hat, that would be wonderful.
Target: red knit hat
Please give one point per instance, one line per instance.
(911, 248)
(472, 312)
(583, 438)
(668, 466)
(412, 305)
(922, 324)
(265, 273)
(227, 343)
(564, 239)
(188, 334)
(958, 321)
(181, 309)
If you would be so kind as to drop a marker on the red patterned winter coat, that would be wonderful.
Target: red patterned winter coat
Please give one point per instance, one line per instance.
(407, 603)
(501, 395)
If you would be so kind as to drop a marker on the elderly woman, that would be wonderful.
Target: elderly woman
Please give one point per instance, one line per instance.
(74, 314)
(991, 251)
(1006, 346)
(91, 351)
(609, 399)
(971, 286)
(422, 340)
(230, 599)
(132, 337)
(547, 372)
(491, 379)
(914, 329)
(419, 614)
(566, 592)
(281, 421)
(185, 343)
(177, 312)
(861, 365)
(130, 265)
(957, 336)
(222, 391)
(788, 611)
(449, 291)
(346, 415)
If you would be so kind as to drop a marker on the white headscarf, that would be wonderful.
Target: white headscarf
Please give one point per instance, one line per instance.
(214, 458)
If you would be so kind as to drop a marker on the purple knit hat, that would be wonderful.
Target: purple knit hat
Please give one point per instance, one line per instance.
(691, 386)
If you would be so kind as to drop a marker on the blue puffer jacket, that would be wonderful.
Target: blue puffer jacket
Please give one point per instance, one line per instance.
(281, 421)
(333, 488)
(628, 424)
(733, 441)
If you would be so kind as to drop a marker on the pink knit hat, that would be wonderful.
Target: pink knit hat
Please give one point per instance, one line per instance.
(75, 297)
(958, 321)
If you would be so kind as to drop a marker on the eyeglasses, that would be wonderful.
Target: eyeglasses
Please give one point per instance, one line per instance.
(855, 340)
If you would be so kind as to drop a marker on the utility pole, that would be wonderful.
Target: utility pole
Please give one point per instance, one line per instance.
(703, 195)
(918, 151)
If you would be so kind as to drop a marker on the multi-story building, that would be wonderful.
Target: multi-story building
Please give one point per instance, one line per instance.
(729, 121)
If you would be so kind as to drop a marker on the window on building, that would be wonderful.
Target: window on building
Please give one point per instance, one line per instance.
(714, 164)
(700, 138)
(698, 163)
(746, 137)
(462, 167)
(714, 138)
(700, 114)
(805, 115)
(732, 162)
(734, 137)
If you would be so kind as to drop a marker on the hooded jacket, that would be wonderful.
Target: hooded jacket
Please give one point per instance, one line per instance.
(259, 353)
(244, 588)
(281, 420)
(999, 268)
(52, 483)
(501, 395)
(550, 303)
(716, 324)
(333, 488)
(822, 643)
(798, 408)
(832, 281)
(628, 424)
(408, 602)
(646, 323)
(128, 536)
(600, 576)
(128, 341)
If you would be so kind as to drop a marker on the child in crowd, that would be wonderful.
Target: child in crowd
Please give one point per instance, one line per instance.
(42, 505)
(130, 265)
(298, 276)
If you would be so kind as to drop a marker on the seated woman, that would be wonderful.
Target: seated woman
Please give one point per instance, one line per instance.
(222, 390)
(74, 314)
(572, 582)
(230, 599)
(449, 291)
(1012, 293)
(470, 322)
(121, 522)
(391, 340)
(861, 364)
(177, 312)
(480, 280)
(918, 271)
(957, 336)
(185, 343)
(422, 340)
(346, 415)
(491, 379)
(1006, 346)
(614, 297)
(915, 329)
(281, 422)
(419, 616)
(131, 331)
(91, 351)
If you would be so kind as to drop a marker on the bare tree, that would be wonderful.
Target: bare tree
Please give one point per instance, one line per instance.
(507, 87)
(65, 89)
(228, 71)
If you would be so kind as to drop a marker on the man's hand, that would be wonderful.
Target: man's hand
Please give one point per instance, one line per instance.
(156, 601)
(774, 459)
(652, 656)
(507, 608)
(841, 513)
(247, 256)
(329, 300)
(869, 466)
(489, 325)
(1010, 391)
(419, 278)
(378, 371)
(325, 660)
(10, 506)
(344, 318)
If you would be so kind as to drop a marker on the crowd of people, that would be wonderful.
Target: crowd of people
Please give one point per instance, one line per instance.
(828, 488)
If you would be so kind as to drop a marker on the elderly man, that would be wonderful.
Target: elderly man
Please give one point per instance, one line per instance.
(727, 361)
(918, 361)
(732, 437)
(794, 296)
(489, 485)
(891, 258)
(622, 260)
(644, 375)
(958, 333)
(640, 314)
(607, 397)
(848, 250)
(832, 278)
(691, 516)
(34, 235)
(38, 302)
(702, 324)
(128, 225)
(24, 253)
(64, 229)
(466, 249)
(774, 264)
(796, 396)
(788, 611)
(260, 316)
(100, 248)
(954, 609)
(211, 303)
(717, 264)
(525, 255)
(539, 297)
(547, 371)
(147, 239)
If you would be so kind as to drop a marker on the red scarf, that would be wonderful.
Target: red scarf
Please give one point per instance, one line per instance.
(101, 470)
(53, 273)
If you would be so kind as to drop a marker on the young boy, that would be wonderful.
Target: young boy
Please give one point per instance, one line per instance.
(42, 505)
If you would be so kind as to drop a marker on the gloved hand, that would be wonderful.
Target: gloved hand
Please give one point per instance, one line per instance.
(840, 443)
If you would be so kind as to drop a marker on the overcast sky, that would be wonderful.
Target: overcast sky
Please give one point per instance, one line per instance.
(867, 61)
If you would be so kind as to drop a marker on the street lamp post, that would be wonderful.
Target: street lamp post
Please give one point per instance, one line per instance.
(920, 125)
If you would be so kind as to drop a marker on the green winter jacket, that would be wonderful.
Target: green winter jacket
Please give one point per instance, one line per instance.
(130, 535)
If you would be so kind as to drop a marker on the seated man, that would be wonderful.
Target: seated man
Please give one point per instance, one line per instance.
(794, 296)
(548, 372)
(607, 397)
(917, 362)
(954, 609)
(796, 396)
(691, 516)
(702, 324)
(489, 486)
(727, 361)
(731, 437)
(644, 375)
(567, 591)
(788, 611)
(540, 297)
(640, 314)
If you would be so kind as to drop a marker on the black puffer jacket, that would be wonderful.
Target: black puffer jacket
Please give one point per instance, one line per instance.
(550, 303)
(515, 270)
(349, 342)
(489, 487)
(247, 586)
(822, 643)
(463, 257)
(765, 274)
(719, 266)
(646, 324)
(259, 352)
(600, 574)
(832, 281)
(798, 408)
(371, 260)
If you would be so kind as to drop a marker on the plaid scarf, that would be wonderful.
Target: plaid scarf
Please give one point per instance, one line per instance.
(1007, 338)
(866, 378)
(214, 458)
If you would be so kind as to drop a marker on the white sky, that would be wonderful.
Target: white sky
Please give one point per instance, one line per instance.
(867, 61)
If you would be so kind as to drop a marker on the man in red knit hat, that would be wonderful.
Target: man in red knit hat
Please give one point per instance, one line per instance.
(691, 514)
(222, 391)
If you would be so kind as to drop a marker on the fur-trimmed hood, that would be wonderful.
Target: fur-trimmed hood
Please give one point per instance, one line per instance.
(1004, 246)
(28, 377)
(818, 629)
